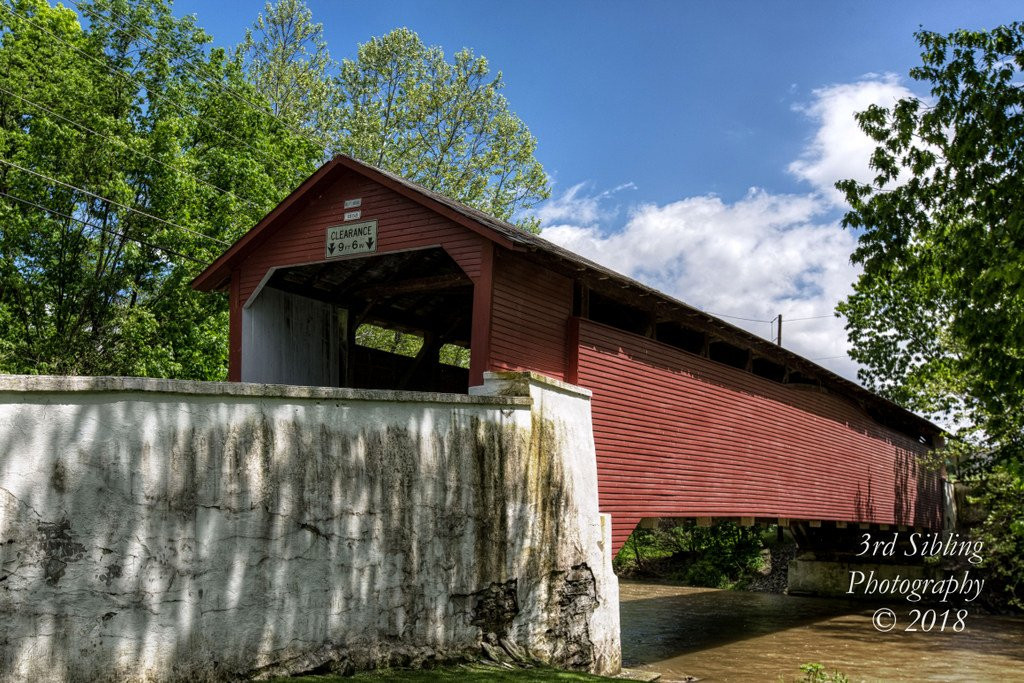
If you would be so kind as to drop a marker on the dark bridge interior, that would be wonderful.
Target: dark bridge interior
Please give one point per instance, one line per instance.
(422, 293)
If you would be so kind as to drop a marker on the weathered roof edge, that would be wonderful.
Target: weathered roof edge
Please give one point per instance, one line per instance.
(504, 233)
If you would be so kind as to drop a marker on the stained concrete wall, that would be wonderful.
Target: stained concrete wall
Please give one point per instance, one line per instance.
(291, 339)
(165, 530)
(833, 578)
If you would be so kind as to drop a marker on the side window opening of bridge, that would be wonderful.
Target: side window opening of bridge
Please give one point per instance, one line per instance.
(614, 309)
(407, 344)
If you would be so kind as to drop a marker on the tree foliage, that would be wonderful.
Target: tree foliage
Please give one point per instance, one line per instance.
(132, 153)
(719, 556)
(287, 59)
(937, 318)
(130, 160)
(443, 124)
(1000, 493)
(402, 106)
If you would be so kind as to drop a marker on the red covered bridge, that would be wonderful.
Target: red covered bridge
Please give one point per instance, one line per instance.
(693, 417)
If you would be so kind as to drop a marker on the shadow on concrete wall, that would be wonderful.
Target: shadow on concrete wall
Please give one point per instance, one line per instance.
(202, 537)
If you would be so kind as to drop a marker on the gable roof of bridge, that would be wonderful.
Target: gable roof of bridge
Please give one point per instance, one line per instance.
(217, 276)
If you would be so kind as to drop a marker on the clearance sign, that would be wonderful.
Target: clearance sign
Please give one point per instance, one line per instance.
(352, 238)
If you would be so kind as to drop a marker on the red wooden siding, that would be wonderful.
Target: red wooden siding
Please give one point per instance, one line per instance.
(529, 316)
(401, 224)
(678, 435)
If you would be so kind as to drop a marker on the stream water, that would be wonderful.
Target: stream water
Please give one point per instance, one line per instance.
(716, 635)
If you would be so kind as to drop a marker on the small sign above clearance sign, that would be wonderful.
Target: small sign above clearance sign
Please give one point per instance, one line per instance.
(351, 238)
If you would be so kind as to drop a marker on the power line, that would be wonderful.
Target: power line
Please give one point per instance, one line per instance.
(122, 235)
(812, 317)
(144, 34)
(758, 320)
(736, 317)
(115, 203)
(134, 79)
(129, 147)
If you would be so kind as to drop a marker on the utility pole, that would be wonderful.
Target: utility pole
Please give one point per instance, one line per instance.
(778, 329)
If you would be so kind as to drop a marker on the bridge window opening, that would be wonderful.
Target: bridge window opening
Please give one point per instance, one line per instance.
(394, 321)
(762, 367)
(680, 337)
(800, 378)
(608, 308)
(728, 354)
(391, 341)
(621, 316)
(455, 355)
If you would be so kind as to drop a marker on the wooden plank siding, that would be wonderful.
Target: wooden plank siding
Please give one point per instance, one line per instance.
(678, 435)
(530, 314)
(402, 224)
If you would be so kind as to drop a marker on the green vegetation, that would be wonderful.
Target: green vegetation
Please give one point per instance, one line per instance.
(937, 317)
(405, 344)
(1000, 492)
(113, 199)
(720, 556)
(816, 673)
(287, 59)
(465, 672)
(400, 105)
(446, 125)
(172, 164)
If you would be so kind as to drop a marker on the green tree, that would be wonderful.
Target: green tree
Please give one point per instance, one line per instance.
(937, 318)
(287, 59)
(1000, 493)
(445, 125)
(401, 106)
(115, 197)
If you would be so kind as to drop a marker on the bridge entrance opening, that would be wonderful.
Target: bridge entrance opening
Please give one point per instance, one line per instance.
(393, 321)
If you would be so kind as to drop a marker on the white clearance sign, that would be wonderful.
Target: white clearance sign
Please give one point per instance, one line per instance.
(353, 238)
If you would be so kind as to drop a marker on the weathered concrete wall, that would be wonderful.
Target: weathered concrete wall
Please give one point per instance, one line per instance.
(833, 579)
(289, 338)
(162, 530)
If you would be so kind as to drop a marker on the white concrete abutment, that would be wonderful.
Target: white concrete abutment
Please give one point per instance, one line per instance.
(169, 530)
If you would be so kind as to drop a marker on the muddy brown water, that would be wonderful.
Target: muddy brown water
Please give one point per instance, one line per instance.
(716, 635)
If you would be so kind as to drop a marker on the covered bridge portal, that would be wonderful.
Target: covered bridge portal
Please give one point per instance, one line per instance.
(692, 417)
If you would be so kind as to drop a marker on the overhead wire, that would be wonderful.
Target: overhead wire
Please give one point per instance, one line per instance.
(736, 317)
(122, 235)
(135, 79)
(811, 317)
(129, 147)
(758, 320)
(114, 202)
(195, 71)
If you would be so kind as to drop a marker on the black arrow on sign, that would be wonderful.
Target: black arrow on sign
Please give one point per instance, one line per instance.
(330, 248)
(369, 243)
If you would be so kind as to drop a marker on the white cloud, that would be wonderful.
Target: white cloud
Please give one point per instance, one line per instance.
(839, 149)
(577, 207)
(754, 258)
(757, 257)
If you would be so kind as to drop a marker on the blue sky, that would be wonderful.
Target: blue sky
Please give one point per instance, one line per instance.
(691, 145)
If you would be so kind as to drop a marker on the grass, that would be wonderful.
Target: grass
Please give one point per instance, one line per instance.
(462, 672)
